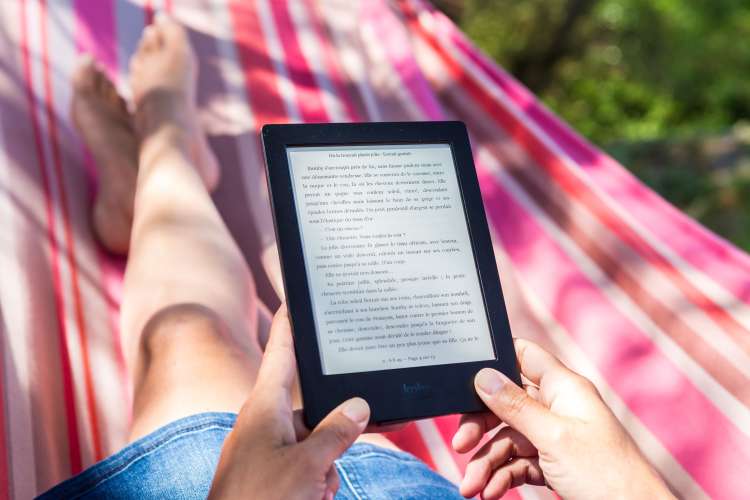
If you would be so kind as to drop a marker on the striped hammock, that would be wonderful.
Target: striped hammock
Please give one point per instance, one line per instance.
(596, 267)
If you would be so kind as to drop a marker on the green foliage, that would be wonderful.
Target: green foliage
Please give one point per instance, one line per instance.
(658, 83)
(625, 69)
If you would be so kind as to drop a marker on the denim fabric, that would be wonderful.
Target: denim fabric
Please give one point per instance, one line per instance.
(178, 462)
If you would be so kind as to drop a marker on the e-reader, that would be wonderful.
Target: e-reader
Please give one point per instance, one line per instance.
(390, 277)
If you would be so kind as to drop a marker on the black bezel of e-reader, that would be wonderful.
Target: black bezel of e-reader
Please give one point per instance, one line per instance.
(395, 394)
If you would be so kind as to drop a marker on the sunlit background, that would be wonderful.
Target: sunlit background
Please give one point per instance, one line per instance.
(662, 85)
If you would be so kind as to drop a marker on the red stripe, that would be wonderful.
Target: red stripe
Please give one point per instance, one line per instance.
(557, 170)
(552, 201)
(260, 76)
(331, 60)
(267, 106)
(148, 12)
(306, 90)
(411, 440)
(717, 259)
(74, 450)
(101, 21)
(447, 427)
(69, 238)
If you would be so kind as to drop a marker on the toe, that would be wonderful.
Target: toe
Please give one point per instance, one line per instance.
(151, 38)
(84, 77)
(171, 30)
(101, 82)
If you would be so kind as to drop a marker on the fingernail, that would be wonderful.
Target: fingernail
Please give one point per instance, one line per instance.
(357, 410)
(489, 381)
(329, 495)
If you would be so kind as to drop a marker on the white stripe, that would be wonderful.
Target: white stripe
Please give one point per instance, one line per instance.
(735, 307)
(307, 40)
(276, 54)
(663, 289)
(384, 75)
(66, 314)
(15, 316)
(350, 52)
(577, 360)
(734, 410)
(236, 107)
(438, 450)
(111, 413)
(61, 49)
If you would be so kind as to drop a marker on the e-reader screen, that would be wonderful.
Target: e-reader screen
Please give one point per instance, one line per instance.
(389, 261)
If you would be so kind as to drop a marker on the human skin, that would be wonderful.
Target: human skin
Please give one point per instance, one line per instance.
(556, 432)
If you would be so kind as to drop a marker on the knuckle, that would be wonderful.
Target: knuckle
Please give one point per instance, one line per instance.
(340, 434)
(514, 401)
(584, 384)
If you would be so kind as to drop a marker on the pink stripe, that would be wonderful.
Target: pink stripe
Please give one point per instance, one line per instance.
(652, 386)
(95, 34)
(447, 427)
(148, 12)
(411, 440)
(307, 93)
(310, 104)
(71, 421)
(391, 33)
(577, 188)
(70, 242)
(331, 61)
(694, 243)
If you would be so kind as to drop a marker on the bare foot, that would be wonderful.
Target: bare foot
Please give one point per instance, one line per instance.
(163, 74)
(102, 119)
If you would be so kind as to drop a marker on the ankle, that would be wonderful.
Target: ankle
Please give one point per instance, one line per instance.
(160, 109)
(162, 124)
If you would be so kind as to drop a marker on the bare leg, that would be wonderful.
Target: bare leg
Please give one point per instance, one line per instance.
(102, 118)
(189, 318)
(189, 312)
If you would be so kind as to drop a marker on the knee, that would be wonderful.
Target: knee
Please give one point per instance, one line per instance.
(178, 327)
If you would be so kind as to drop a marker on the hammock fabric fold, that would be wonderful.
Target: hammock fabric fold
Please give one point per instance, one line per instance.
(596, 267)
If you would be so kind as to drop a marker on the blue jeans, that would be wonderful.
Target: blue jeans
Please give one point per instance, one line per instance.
(178, 461)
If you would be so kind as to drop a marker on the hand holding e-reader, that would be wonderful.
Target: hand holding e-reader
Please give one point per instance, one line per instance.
(389, 273)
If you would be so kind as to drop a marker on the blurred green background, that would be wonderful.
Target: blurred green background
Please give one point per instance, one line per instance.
(662, 85)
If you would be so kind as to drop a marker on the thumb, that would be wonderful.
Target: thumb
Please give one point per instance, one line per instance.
(515, 407)
(336, 433)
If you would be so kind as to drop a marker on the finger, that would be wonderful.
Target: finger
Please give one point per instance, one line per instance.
(533, 391)
(573, 394)
(338, 430)
(471, 428)
(536, 364)
(516, 408)
(505, 445)
(516, 473)
(278, 367)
